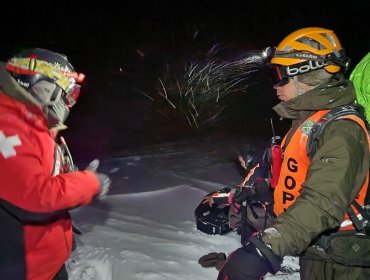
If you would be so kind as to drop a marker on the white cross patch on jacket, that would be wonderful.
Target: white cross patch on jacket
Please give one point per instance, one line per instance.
(7, 145)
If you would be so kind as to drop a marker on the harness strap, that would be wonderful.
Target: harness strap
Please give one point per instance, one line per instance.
(316, 132)
(355, 220)
(320, 126)
(361, 210)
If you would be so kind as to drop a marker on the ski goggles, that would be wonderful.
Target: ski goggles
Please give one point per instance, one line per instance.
(278, 76)
(69, 95)
(65, 81)
(72, 95)
(49, 93)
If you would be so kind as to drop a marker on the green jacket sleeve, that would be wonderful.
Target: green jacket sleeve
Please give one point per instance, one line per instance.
(360, 77)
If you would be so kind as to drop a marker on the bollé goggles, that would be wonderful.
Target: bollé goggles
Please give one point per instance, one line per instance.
(278, 76)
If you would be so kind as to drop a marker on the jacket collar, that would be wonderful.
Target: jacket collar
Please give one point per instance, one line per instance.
(334, 93)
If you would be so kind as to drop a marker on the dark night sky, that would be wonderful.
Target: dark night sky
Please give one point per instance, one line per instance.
(101, 38)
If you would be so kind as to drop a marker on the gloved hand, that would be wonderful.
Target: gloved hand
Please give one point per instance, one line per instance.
(104, 180)
(104, 186)
(213, 259)
(252, 261)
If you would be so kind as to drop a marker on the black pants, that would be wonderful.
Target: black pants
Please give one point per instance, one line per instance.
(62, 274)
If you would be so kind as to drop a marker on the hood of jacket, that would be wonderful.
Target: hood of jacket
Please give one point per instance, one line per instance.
(338, 91)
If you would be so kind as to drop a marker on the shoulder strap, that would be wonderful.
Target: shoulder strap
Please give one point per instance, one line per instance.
(319, 127)
(315, 134)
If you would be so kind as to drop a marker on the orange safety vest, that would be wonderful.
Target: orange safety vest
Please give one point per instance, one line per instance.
(296, 162)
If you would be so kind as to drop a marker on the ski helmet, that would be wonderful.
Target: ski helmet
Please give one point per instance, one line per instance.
(32, 66)
(305, 50)
(49, 78)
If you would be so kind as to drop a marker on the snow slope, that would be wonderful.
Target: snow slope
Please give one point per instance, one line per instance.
(145, 228)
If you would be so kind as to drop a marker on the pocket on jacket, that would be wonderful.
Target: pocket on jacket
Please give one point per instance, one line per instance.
(353, 250)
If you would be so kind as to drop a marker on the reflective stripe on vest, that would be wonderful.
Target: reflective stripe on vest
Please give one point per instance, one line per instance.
(296, 163)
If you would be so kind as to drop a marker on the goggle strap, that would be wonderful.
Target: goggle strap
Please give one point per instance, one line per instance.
(19, 71)
(23, 66)
(79, 77)
(301, 55)
(338, 58)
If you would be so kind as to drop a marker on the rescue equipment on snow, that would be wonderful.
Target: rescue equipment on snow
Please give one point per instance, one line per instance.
(214, 219)
(233, 208)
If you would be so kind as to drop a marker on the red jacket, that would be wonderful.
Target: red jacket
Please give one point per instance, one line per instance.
(36, 232)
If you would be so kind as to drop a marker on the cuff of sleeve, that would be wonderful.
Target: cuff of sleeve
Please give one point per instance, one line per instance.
(95, 182)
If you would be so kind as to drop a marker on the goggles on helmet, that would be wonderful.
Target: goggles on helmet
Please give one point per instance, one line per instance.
(278, 76)
(71, 96)
(62, 78)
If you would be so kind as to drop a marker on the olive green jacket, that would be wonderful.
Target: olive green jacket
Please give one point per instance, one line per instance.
(335, 175)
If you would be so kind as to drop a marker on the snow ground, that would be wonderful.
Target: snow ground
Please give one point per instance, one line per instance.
(145, 229)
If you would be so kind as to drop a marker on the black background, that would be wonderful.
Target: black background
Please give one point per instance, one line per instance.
(124, 46)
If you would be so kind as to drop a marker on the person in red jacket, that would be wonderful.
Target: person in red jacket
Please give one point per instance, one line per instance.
(37, 89)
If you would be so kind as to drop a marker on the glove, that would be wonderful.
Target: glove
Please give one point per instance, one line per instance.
(251, 261)
(104, 186)
(104, 180)
(213, 259)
